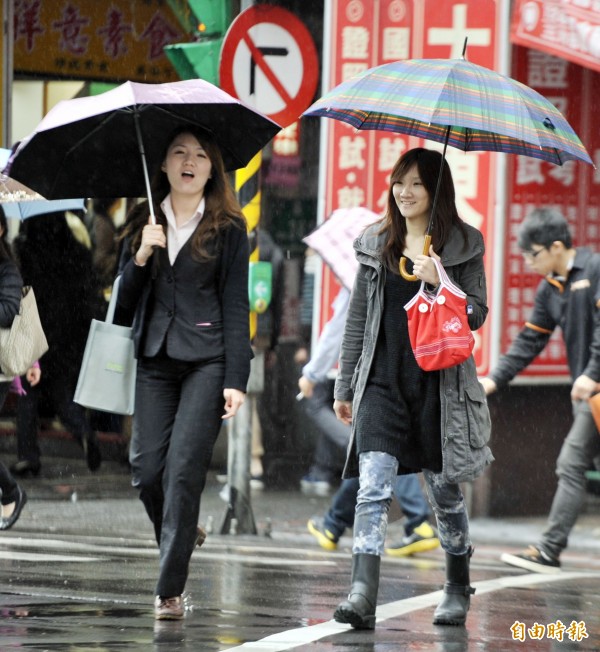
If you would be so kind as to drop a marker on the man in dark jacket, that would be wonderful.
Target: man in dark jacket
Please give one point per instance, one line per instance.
(568, 297)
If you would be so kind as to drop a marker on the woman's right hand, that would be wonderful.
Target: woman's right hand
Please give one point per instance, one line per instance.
(153, 235)
(343, 411)
(33, 375)
(306, 386)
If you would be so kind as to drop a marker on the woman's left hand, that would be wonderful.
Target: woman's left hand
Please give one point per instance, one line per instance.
(233, 401)
(424, 268)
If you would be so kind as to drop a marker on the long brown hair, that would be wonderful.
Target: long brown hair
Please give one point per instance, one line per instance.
(446, 216)
(222, 207)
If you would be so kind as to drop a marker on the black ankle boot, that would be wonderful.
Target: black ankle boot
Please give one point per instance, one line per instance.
(453, 608)
(359, 609)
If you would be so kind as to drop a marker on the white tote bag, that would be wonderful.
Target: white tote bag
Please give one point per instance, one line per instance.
(24, 342)
(107, 376)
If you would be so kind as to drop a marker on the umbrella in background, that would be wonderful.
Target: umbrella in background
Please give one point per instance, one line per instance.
(20, 202)
(457, 103)
(101, 146)
(11, 190)
(333, 239)
(30, 208)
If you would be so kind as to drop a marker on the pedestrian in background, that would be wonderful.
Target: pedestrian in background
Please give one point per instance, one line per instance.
(59, 268)
(12, 496)
(316, 388)
(568, 297)
(184, 285)
(396, 408)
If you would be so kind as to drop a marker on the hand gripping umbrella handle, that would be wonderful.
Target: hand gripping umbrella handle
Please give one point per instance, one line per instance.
(411, 277)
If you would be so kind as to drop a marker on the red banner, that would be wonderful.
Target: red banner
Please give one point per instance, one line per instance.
(573, 188)
(565, 28)
(367, 33)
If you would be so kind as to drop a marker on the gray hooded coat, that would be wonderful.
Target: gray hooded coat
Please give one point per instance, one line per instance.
(465, 419)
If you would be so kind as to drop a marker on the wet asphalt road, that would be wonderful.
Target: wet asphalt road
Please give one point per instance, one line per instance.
(78, 570)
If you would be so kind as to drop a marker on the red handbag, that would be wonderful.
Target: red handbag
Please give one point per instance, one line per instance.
(439, 332)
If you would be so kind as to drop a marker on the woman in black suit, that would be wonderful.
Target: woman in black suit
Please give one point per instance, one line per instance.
(184, 286)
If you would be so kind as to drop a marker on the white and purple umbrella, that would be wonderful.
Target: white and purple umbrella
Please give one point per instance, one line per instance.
(108, 145)
(333, 239)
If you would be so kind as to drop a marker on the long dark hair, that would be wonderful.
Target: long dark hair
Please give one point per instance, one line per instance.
(6, 252)
(446, 216)
(222, 206)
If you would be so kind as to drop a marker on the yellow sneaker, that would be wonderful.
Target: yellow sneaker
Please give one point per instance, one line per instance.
(423, 538)
(326, 539)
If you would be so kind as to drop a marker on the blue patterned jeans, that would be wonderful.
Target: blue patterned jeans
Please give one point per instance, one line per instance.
(377, 476)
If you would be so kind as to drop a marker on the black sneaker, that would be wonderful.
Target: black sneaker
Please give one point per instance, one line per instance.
(326, 539)
(532, 559)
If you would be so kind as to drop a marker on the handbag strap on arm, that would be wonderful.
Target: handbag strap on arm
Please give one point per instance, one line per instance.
(445, 280)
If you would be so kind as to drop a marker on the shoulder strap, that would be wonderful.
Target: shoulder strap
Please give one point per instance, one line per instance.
(112, 304)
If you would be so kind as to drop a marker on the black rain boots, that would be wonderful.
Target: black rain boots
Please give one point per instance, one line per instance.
(453, 608)
(359, 609)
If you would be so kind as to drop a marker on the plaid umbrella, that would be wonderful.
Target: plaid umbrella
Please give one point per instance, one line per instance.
(455, 101)
(333, 239)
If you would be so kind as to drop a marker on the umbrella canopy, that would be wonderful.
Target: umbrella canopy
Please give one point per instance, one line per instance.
(109, 144)
(455, 101)
(11, 190)
(30, 208)
(333, 239)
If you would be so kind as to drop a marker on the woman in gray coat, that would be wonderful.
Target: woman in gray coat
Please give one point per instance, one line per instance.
(404, 419)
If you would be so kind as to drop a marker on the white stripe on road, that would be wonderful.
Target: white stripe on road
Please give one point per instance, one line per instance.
(107, 550)
(295, 637)
(36, 556)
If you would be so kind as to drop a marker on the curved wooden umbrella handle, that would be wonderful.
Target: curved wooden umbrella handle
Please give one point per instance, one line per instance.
(411, 277)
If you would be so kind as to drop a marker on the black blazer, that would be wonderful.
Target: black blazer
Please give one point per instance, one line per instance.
(143, 294)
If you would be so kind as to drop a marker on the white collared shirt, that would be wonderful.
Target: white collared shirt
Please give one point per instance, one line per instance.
(177, 236)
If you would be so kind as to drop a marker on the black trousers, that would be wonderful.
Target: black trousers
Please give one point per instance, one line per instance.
(178, 410)
(8, 485)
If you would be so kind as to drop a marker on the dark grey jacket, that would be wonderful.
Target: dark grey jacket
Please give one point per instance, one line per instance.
(466, 424)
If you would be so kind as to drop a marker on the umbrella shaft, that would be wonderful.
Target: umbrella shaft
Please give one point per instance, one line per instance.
(138, 131)
(438, 184)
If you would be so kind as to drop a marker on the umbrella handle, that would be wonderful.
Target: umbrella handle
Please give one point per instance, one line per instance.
(411, 277)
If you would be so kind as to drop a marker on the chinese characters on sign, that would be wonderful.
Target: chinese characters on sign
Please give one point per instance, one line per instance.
(565, 28)
(367, 33)
(557, 631)
(573, 188)
(113, 41)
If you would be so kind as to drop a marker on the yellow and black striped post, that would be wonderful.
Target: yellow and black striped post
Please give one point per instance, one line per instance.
(247, 186)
